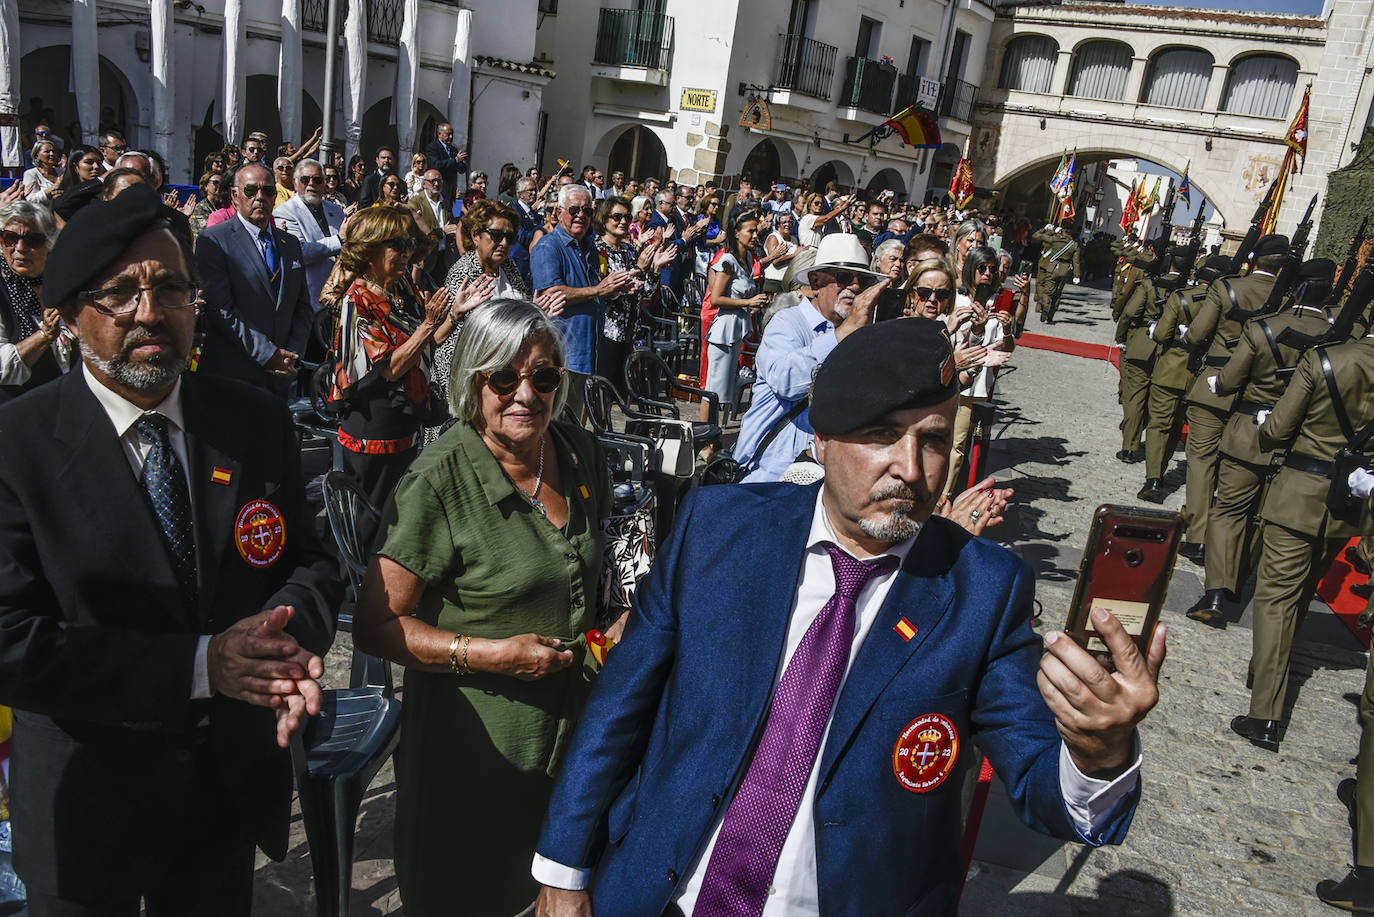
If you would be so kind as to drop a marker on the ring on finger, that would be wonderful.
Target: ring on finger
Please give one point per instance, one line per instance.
(974, 515)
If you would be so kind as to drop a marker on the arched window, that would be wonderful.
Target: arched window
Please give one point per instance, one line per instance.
(1178, 78)
(1100, 69)
(1261, 85)
(1028, 64)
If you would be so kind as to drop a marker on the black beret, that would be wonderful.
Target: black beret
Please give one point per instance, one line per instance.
(1215, 266)
(890, 366)
(1318, 270)
(76, 197)
(96, 237)
(1272, 244)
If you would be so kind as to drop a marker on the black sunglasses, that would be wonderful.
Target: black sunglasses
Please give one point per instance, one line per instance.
(617, 217)
(845, 278)
(498, 236)
(937, 295)
(403, 244)
(310, 179)
(586, 211)
(30, 239)
(545, 380)
(251, 191)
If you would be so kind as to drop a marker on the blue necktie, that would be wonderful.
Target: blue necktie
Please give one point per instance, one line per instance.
(164, 482)
(269, 254)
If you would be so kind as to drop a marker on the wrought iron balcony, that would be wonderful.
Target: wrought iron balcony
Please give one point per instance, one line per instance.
(805, 65)
(383, 18)
(957, 99)
(633, 38)
(313, 15)
(868, 85)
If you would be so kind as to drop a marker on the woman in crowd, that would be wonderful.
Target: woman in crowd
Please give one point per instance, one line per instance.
(45, 171)
(386, 336)
(484, 582)
(779, 249)
(210, 184)
(357, 171)
(713, 238)
(616, 252)
(968, 234)
(642, 211)
(505, 185)
(83, 164)
(811, 227)
(734, 290)
(393, 191)
(485, 271)
(223, 207)
(930, 292)
(415, 178)
(887, 260)
(230, 154)
(214, 162)
(34, 348)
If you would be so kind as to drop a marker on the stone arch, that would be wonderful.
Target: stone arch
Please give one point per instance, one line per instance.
(50, 65)
(888, 179)
(836, 170)
(634, 149)
(767, 160)
(377, 130)
(428, 117)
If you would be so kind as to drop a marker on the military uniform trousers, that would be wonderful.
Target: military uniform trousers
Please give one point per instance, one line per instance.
(1233, 523)
(1135, 396)
(1050, 289)
(1163, 428)
(1291, 564)
(1205, 426)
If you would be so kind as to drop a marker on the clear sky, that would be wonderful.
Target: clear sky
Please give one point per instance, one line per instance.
(1307, 7)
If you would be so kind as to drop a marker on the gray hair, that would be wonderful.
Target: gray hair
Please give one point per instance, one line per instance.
(37, 215)
(491, 339)
(885, 249)
(526, 184)
(151, 172)
(296, 172)
(637, 204)
(570, 190)
(662, 196)
(965, 228)
(279, 160)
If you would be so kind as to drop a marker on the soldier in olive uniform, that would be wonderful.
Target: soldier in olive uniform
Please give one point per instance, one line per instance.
(1258, 371)
(1171, 378)
(1301, 536)
(1123, 250)
(1058, 262)
(1133, 332)
(1217, 328)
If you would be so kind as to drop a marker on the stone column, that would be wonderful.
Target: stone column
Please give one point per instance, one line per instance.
(85, 68)
(1059, 85)
(289, 73)
(1135, 80)
(355, 76)
(407, 74)
(10, 155)
(1215, 87)
(460, 85)
(167, 140)
(235, 82)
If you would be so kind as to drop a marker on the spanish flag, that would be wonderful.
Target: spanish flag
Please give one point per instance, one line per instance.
(916, 128)
(221, 475)
(906, 629)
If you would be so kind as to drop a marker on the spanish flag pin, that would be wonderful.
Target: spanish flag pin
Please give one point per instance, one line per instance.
(906, 629)
(221, 475)
(586, 494)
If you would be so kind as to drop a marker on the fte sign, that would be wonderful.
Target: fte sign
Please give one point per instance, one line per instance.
(928, 93)
(698, 100)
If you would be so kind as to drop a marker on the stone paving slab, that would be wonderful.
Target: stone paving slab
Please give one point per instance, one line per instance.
(1223, 828)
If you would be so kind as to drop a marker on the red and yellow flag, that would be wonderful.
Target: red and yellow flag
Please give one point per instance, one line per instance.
(1297, 131)
(916, 128)
(961, 185)
(1129, 210)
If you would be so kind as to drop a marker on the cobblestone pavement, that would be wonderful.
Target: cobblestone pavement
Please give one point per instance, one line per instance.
(1222, 828)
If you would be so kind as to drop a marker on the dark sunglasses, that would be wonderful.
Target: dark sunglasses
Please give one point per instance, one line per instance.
(845, 278)
(403, 244)
(251, 191)
(585, 211)
(545, 380)
(498, 236)
(617, 217)
(310, 179)
(937, 295)
(30, 239)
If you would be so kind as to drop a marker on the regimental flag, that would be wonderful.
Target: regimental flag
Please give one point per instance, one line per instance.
(1130, 210)
(1184, 189)
(916, 128)
(1062, 182)
(1286, 170)
(1152, 201)
(1067, 211)
(961, 185)
(1297, 132)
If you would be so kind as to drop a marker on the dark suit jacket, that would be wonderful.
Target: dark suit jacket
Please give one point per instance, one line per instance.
(444, 158)
(244, 322)
(668, 731)
(371, 188)
(97, 645)
(424, 215)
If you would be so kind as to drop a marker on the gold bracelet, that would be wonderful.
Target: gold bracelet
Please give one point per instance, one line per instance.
(467, 670)
(453, 654)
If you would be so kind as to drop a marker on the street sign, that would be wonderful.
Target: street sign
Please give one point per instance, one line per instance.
(928, 93)
(698, 100)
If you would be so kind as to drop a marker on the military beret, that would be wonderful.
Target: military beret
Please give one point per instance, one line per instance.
(96, 237)
(1317, 270)
(1214, 267)
(76, 197)
(1272, 244)
(890, 366)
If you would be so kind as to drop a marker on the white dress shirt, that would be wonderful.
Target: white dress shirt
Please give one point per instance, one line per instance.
(794, 889)
(123, 415)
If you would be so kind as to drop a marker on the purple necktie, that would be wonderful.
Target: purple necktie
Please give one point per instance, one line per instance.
(750, 841)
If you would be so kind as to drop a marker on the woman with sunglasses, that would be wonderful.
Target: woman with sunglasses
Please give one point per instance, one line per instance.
(930, 294)
(415, 178)
(615, 252)
(34, 345)
(485, 581)
(353, 183)
(385, 338)
(485, 268)
(393, 191)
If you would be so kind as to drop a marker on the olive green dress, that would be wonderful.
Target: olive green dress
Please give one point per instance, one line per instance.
(478, 753)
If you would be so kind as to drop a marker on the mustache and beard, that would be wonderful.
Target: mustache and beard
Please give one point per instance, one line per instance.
(143, 375)
(900, 523)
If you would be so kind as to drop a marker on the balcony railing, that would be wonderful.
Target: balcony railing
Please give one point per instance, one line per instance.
(957, 99)
(868, 85)
(805, 65)
(383, 18)
(633, 38)
(313, 14)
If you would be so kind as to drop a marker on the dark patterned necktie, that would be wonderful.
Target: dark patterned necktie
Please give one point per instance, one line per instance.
(269, 254)
(756, 824)
(164, 482)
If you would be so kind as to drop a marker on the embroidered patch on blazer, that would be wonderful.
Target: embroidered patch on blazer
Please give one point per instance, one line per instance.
(260, 533)
(925, 753)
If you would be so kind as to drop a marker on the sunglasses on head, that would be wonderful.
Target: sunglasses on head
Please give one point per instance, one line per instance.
(30, 239)
(498, 236)
(545, 380)
(937, 295)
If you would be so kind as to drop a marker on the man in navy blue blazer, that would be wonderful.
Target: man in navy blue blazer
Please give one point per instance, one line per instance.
(784, 728)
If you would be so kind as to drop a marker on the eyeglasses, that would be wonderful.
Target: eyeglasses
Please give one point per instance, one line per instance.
(545, 379)
(252, 191)
(121, 148)
(310, 179)
(586, 211)
(499, 236)
(30, 239)
(121, 297)
(618, 217)
(42, 133)
(937, 295)
(846, 278)
(403, 244)
(430, 181)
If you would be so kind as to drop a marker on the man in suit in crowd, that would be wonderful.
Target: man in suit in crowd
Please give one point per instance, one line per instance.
(316, 223)
(530, 221)
(437, 222)
(451, 162)
(782, 730)
(163, 601)
(371, 188)
(258, 311)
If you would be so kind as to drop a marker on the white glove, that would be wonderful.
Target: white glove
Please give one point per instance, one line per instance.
(1260, 416)
(1075, 280)
(1182, 330)
(1361, 483)
(1153, 326)
(1212, 384)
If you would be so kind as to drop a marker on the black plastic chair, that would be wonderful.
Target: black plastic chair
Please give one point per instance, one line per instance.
(337, 753)
(654, 389)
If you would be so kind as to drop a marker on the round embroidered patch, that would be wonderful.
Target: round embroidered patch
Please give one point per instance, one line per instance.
(925, 752)
(260, 533)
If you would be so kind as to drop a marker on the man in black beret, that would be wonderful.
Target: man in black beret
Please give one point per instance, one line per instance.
(787, 717)
(163, 600)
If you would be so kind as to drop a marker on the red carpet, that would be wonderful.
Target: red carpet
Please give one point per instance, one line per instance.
(1334, 590)
(1073, 348)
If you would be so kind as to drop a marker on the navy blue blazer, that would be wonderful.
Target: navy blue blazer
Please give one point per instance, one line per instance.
(674, 716)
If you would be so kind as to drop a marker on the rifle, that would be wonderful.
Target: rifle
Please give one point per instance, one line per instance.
(1184, 257)
(1361, 295)
(1352, 254)
(1298, 248)
(1252, 235)
(1161, 241)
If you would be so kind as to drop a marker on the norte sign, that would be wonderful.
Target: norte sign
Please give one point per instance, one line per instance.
(698, 100)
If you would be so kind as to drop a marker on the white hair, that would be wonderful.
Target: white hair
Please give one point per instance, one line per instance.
(570, 190)
(152, 172)
(296, 172)
(885, 249)
(37, 215)
(492, 338)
